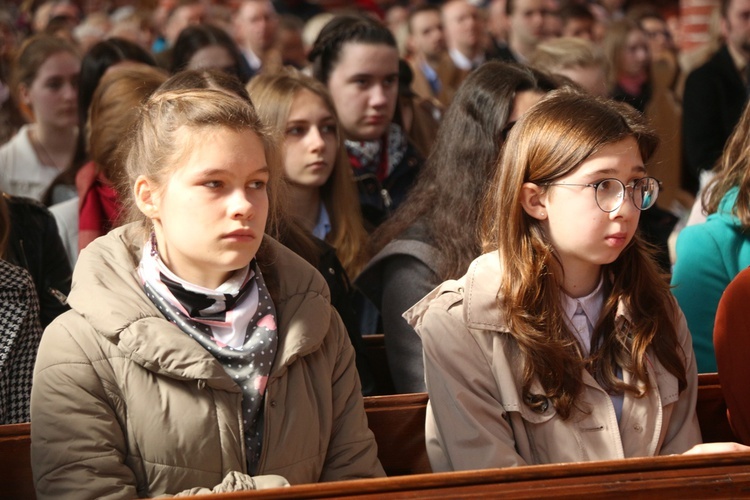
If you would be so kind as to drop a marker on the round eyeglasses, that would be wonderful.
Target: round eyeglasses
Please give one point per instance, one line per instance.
(610, 193)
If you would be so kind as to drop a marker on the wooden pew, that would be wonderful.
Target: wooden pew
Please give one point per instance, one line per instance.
(15, 462)
(398, 425)
(696, 476)
(712, 410)
(375, 345)
(397, 422)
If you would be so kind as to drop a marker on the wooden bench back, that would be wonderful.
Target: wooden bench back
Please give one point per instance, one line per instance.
(397, 422)
(695, 476)
(15, 462)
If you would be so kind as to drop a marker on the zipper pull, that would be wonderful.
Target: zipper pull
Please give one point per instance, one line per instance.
(387, 201)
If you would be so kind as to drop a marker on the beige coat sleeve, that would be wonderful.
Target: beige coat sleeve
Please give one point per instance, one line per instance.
(78, 448)
(352, 451)
(683, 430)
(467, 427)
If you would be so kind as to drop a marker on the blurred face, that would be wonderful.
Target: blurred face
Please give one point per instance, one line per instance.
(310, 141)
(53, 95)
(736, 26)
(593, 79)
(635, 57)
(427, 39)
(579, 28)
(527, 21)
(256, 24)
(522, 102)
(210, 216)
(659, 37)
(463, 26)
(291, 47)
(583, 236)
(181, 18)
(364, 87)
(213, 57)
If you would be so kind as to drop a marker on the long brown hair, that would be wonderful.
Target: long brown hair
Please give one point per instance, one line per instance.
(273, 95)
(550, 141)
(454, 181)
(733, 170)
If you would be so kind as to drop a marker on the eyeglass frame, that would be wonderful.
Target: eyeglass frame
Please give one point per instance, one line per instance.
(625, 188)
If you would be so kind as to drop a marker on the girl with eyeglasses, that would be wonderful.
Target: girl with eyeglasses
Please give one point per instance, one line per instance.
(562, 343)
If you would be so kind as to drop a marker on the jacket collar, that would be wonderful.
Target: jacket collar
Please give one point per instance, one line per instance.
(108, 293)
(481, 304)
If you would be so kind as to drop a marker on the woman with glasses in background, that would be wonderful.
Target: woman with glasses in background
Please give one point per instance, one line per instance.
(563, 342)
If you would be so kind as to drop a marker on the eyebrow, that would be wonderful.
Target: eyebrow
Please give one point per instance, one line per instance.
(371, 75)
(223, 171)
(612, 171)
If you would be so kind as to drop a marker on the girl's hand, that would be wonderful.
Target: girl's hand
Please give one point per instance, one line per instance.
(699, 449)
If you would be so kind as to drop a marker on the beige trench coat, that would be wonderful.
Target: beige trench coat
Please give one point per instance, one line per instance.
(477, 417)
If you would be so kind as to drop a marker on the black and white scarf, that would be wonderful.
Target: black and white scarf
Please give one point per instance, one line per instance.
(236, 323)
(366, 156)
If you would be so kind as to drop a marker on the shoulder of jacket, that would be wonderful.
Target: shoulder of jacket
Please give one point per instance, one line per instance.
(20, 204)
(70, 339)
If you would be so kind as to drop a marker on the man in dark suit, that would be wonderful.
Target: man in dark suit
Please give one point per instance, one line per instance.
(435, 75)
(715, 95)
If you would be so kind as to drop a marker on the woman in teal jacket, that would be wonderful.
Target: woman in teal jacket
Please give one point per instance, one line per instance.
(710, 255)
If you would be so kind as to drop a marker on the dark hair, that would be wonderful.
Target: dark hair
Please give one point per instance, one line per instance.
(348, 28)
(574, 10)
(99, 58)
(194, 38)
(418, 10)
(451, 186)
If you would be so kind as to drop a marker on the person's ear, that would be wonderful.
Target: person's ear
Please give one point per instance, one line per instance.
(23, 94)
(533, 200)
(145, 197)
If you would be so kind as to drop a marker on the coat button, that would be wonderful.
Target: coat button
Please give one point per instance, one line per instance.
(331, 271)
(637, 428)
(273, 404)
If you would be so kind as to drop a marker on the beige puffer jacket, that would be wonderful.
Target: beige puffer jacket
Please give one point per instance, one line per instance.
(124, 404)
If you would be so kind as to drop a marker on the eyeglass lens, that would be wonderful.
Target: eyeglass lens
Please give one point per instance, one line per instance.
(610, 193)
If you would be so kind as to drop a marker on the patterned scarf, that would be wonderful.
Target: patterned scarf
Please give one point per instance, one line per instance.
(368, 156)
(236, 323)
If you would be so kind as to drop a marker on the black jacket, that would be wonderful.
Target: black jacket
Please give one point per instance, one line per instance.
(379, 200)
(35, 245)
(712, 105)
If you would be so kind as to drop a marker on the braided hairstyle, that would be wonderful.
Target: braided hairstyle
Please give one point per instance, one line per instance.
(346, 28)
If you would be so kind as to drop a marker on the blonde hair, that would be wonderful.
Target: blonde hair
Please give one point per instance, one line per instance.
(733, 170)
(273, 95)
(156, 147)
(567, 53)
(545, 145)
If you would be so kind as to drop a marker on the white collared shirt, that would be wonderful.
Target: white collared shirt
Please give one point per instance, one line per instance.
(463, 62)
(582, 315)
(323, 226)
